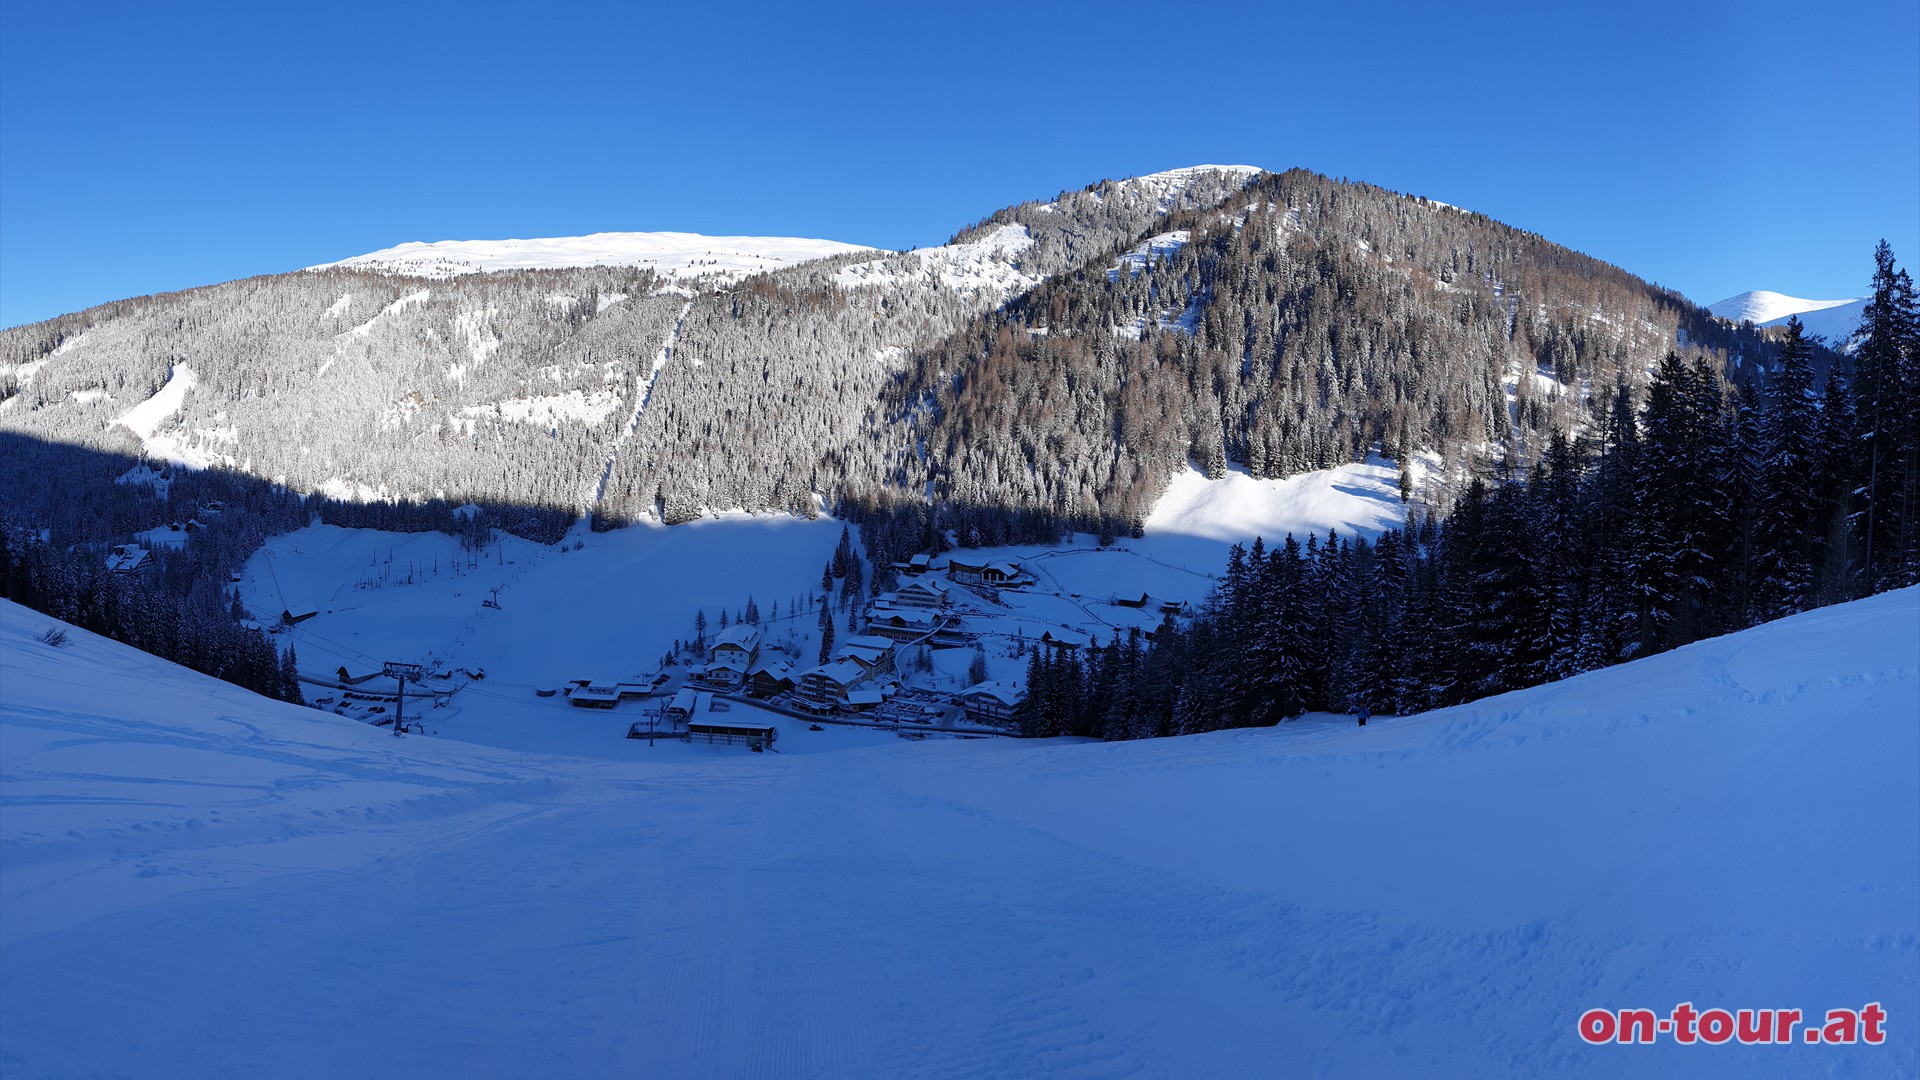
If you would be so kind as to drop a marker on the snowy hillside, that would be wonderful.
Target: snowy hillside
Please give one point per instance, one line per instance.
(1834, 321)
(671, 254)
(1762, 307)
(200, 882)
(1353, 499)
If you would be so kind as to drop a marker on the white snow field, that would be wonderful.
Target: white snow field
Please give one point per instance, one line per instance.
(198, 882)
(672, 254)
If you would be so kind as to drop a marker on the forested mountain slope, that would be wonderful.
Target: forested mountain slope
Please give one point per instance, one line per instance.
(1058, 360)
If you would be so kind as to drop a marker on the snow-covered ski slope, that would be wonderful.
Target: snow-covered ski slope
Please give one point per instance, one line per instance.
(197, 882)
(672, 254)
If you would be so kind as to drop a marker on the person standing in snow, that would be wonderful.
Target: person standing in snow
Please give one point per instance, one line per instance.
(1362, 712)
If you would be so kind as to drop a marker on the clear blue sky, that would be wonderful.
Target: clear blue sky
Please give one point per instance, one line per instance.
(1713, 147)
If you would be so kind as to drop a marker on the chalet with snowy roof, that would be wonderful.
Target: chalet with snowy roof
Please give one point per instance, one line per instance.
(993, 702)
(828, 684)
(926, 593)
(740, 642)
(864, 699)
(898, 625)
(1133, 600)
(919, 564)
(768, 679)
(869, 651)
(995, 572)
(128, 559)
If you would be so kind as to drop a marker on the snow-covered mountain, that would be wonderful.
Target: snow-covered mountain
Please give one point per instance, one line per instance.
(233, 886)
(670, 254)
(1833, 321)
(630, 376)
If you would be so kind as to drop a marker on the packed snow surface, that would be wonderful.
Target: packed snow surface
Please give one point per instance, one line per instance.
(199, 882)
(672, 254)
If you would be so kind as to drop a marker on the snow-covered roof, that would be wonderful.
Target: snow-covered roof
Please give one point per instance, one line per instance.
(840, 672)
(739, 635)
(865, 697)
(126, 558)
(869, 641)
(1001, 690)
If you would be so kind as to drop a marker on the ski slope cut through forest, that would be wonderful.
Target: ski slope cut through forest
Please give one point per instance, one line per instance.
(229, 885)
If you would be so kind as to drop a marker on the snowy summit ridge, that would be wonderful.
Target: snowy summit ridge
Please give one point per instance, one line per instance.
(672, 254)
(1835, 321)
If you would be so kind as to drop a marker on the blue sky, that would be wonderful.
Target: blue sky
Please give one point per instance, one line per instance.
(1712, 147)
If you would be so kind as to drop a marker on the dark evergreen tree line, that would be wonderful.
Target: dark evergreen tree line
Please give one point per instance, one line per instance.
(1701, 512)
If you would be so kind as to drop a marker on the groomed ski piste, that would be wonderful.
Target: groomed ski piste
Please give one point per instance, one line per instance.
(199, 882)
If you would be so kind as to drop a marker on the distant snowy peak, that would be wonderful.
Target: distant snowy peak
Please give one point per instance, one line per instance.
(1762, 307)
(671, 254)
(1832, 320)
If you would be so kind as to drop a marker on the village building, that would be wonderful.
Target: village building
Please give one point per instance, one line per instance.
(870, 651)
(128, 559)
(995, 572)
(864, 699)
(597, 694)
(827, 685)
(740, 641)
(898, 625)
(768, 679)
(928, 593)
(996, 703)
(710, 728)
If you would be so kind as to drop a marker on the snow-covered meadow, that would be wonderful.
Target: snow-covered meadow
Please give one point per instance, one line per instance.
(200, 882)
